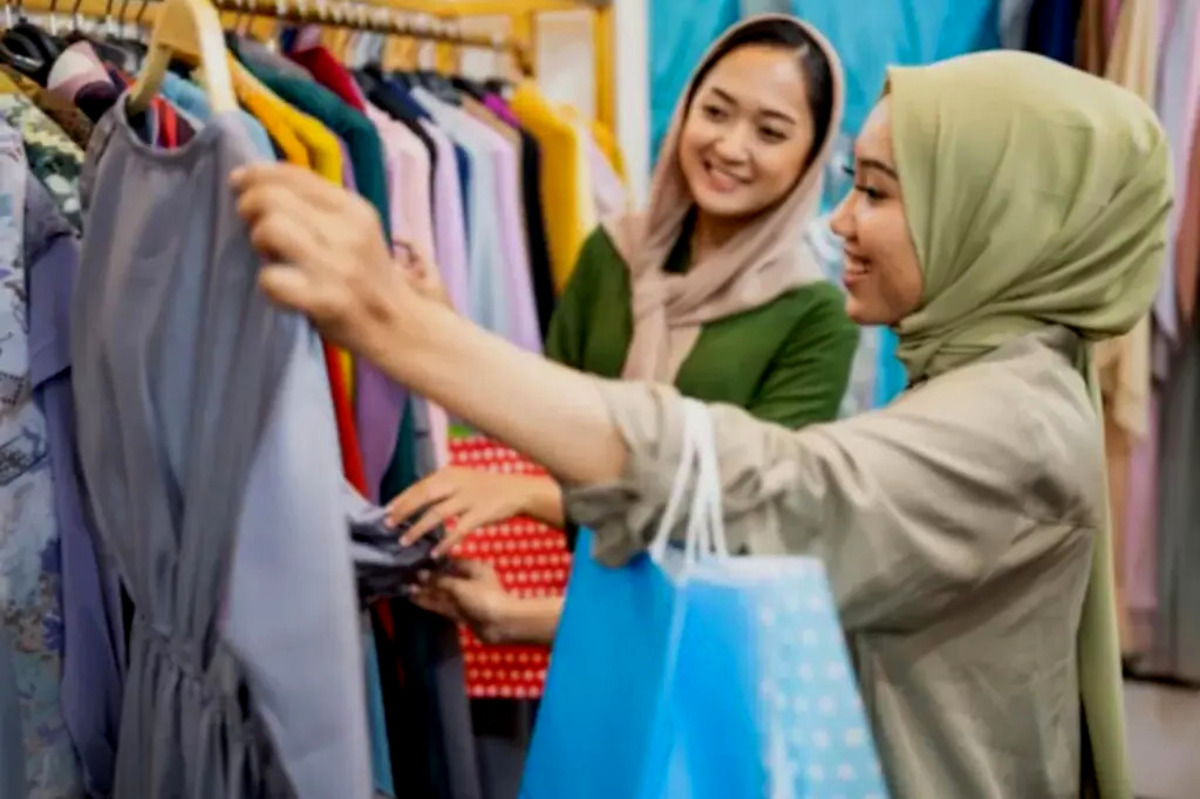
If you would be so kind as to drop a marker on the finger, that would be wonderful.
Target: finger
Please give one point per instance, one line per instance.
(286, 236)
(409, 502)
(435, 601)
(468, 522)
(291, 178)
(290, 287)
(433, 518)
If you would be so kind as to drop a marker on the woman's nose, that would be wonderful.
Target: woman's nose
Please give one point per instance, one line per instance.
(842, 220)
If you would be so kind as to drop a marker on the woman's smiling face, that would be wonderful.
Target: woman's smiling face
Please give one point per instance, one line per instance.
(882, 272)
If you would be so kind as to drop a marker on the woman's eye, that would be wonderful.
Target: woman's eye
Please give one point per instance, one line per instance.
(870, 193)
(771, 135)
(714, 112)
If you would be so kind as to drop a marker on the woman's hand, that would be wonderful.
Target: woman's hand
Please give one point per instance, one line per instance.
(422, 273)
(473, 499)
(324, 253)
(471, 594)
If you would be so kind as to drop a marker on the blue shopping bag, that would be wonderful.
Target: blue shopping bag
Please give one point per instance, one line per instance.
(598, 731)
(762, 661)
(689, 674)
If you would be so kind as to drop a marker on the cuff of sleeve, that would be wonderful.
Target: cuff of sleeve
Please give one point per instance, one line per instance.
(623, 515)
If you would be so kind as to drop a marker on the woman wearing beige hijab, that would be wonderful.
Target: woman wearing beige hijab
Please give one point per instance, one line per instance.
(712, 289)
(1008, 212)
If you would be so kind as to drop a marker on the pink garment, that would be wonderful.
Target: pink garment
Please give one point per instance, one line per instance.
(501, 109)
(1141, 536)
(411, 209)
(1110, 19)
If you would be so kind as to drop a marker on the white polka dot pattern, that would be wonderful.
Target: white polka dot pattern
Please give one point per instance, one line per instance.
(531, 559)
(816, 741)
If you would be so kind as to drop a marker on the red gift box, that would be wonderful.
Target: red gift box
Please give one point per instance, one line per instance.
(531, 560)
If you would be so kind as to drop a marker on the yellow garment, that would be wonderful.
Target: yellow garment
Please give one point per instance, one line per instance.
(612, 151)
(264, 106)
(562, 153)
(304, 142)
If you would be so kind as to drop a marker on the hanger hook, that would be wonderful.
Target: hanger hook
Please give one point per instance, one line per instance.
(141, 15)
(123, 21)
(76, 17)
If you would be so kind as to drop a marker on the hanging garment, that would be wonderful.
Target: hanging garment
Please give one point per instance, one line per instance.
(53, 157)
(566, 227)
(91, 611)
(1014, 23)
(67, 115)
(12, 744)
(192, 388)
(30, 544)
(1178, 105)
(1176, 650)
(189, 97)
(489, 301)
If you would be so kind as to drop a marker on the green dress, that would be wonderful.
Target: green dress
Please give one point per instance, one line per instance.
(786, 362)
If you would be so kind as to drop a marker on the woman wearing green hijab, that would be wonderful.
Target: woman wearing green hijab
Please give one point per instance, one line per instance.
(1008, 212)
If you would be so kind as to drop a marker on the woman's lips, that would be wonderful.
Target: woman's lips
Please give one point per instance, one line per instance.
(855, 269)
(720, 180)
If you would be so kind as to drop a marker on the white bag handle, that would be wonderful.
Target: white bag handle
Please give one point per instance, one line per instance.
(705, 534)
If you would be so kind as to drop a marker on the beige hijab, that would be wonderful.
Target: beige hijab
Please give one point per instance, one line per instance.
(763, 261)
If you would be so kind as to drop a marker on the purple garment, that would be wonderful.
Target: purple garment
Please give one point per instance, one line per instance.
(93, 630)
(378, 400)
(500, 108)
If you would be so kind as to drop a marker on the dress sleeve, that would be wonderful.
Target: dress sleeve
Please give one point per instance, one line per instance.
(910, 508)
(807, 379)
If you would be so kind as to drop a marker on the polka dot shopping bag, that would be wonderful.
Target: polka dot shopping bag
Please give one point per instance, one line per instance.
(694, 675)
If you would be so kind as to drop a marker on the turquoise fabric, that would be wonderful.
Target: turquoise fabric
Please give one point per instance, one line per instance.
(680, 33)
(870, 36)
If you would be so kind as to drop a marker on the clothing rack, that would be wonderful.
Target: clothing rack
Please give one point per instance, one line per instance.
(435, 21)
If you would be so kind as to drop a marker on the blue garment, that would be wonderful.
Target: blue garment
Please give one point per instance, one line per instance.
(92, 671)
(1052, 27)
(191, 99)
(676, 47)
(30, 541)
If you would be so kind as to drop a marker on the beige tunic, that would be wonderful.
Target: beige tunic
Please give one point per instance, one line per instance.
(956, 526)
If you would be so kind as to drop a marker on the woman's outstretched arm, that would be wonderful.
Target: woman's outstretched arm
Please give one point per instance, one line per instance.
(324, 256)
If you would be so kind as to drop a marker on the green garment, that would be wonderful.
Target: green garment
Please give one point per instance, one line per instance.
(357, 132)
(1036, 195)
(787, 362)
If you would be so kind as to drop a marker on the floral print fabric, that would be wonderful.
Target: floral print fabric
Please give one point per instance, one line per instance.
(30, 574)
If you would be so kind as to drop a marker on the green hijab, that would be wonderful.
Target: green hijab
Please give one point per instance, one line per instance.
(1036, 195)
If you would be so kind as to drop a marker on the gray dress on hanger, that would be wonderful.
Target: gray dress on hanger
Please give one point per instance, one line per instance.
(209, 447)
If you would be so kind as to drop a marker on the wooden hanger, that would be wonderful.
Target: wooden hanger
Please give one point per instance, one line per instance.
(189, 30)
